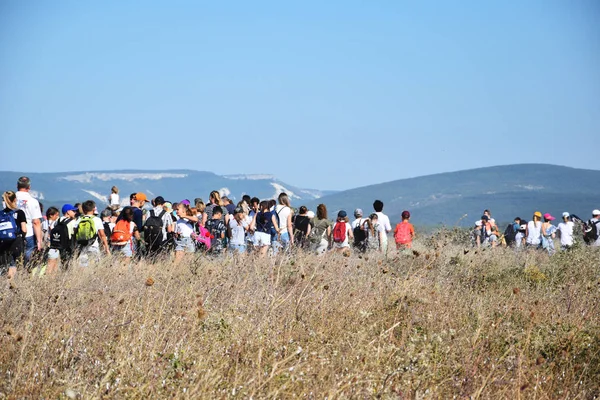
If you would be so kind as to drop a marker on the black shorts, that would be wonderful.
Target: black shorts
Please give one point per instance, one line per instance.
(11, 253)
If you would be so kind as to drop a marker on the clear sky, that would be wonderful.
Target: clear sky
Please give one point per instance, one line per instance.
(322, 94)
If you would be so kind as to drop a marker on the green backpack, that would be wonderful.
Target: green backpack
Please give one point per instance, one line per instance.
(86, 231)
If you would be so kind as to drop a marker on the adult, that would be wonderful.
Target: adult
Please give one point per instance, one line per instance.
(384, 222)
(13, 228)
(565, 231)
(302, 227)
(548, 233)
(321, 230)
(285, 213)
(533, 233)
(262, 223)
(33, 214)
(157, 228)
(228, 205)
(359, 231)
(592, 231)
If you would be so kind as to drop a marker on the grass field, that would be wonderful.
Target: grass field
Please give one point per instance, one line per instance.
(437, 323)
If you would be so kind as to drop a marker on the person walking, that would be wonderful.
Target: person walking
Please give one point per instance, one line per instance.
(33, 213)
(565, 231)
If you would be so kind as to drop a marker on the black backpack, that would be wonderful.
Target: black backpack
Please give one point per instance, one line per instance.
(360, 236)
(59, 236)
(510, 234)
(153, 230)
(590, 234)
(107, 230)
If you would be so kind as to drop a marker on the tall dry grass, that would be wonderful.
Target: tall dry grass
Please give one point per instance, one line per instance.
(437, 323)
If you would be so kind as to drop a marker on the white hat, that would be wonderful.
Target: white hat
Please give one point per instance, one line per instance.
(523, 227)
(596, 212)
(310, 214)
(566, 215)
(478, 223)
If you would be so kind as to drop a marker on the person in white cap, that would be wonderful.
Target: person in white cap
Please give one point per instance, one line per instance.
(592, 231)
(565, 231)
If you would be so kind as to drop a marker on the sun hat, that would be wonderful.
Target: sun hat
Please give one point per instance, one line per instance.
(342, 214)
(566, 215)
(141, 197)
(358, 213)
(549, 217)
(310, 214)
(596, 212)
(68, 207)
(405, 214)
(168, 206)
(478, 223)
(537, 214)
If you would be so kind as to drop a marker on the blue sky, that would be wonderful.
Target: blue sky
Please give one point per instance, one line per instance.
(329, 95)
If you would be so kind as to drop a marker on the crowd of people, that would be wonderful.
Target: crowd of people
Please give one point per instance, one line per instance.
(158, 229)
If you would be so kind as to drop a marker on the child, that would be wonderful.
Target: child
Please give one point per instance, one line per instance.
(61, 239)
(404, 233)
(184, 229)
(123, 233)
(238, 226)
(342, 233)
(114, 197)
(89, 234)
(261, 225)
(216, 227)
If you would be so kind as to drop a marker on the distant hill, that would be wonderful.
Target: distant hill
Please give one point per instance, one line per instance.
(508, 191)
(71, 187)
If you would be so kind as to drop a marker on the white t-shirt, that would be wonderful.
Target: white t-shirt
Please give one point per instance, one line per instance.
(345, 242)
(184, 227)
(384, 221)
(358, 221)
(237, 231)
(114, 199)
(31, 208)
(534, 233)
(283, 212)
(566, 233)
(98, 225)
(166, 219)
(596, 226)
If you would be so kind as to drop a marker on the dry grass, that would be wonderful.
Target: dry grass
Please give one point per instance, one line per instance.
(485, 324)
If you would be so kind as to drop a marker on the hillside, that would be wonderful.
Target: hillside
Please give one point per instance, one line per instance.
(508, 191)
(57, 188)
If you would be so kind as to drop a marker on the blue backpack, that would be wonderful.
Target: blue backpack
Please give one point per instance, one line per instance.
(9, 230)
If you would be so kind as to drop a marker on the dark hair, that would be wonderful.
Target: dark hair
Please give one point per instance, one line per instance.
(247, 199)
(41, 207)
(51, 211)
(127, 214)
(254, 200)
(88, 206)
(321, 211)
(23, 183)
(132, 196)
(487, 211)
(378, 205)
(272, 203)
(217, 210)
(303, 210)
(264, 205)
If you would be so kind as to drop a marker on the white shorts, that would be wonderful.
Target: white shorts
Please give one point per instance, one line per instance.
(53, 254)
(262, 239)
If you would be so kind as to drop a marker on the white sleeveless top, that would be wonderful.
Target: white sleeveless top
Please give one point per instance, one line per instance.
(534, 232)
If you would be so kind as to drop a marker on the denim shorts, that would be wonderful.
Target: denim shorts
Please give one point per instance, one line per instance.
(125, 250)
(237, 248)
(185, 244)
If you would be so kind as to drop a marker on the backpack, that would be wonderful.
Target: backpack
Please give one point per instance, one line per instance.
(86, 231)
(9, 230)
(510, 234)
(202, 237)
(339, 232)
(360, 235)
(590, 230)
(59, 236)
(264, 222)
(153, 230)
(122, 232)
(402, 233)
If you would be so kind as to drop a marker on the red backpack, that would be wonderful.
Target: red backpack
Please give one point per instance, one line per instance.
(402, 233)
(339, 232)
(121, 233)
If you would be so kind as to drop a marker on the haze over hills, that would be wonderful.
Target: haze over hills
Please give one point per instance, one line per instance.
(509, 191)
(174, 185)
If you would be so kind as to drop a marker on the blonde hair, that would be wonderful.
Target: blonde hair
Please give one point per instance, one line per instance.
(10, 199)
(217, 197)
(200, 206)
(114, 190)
